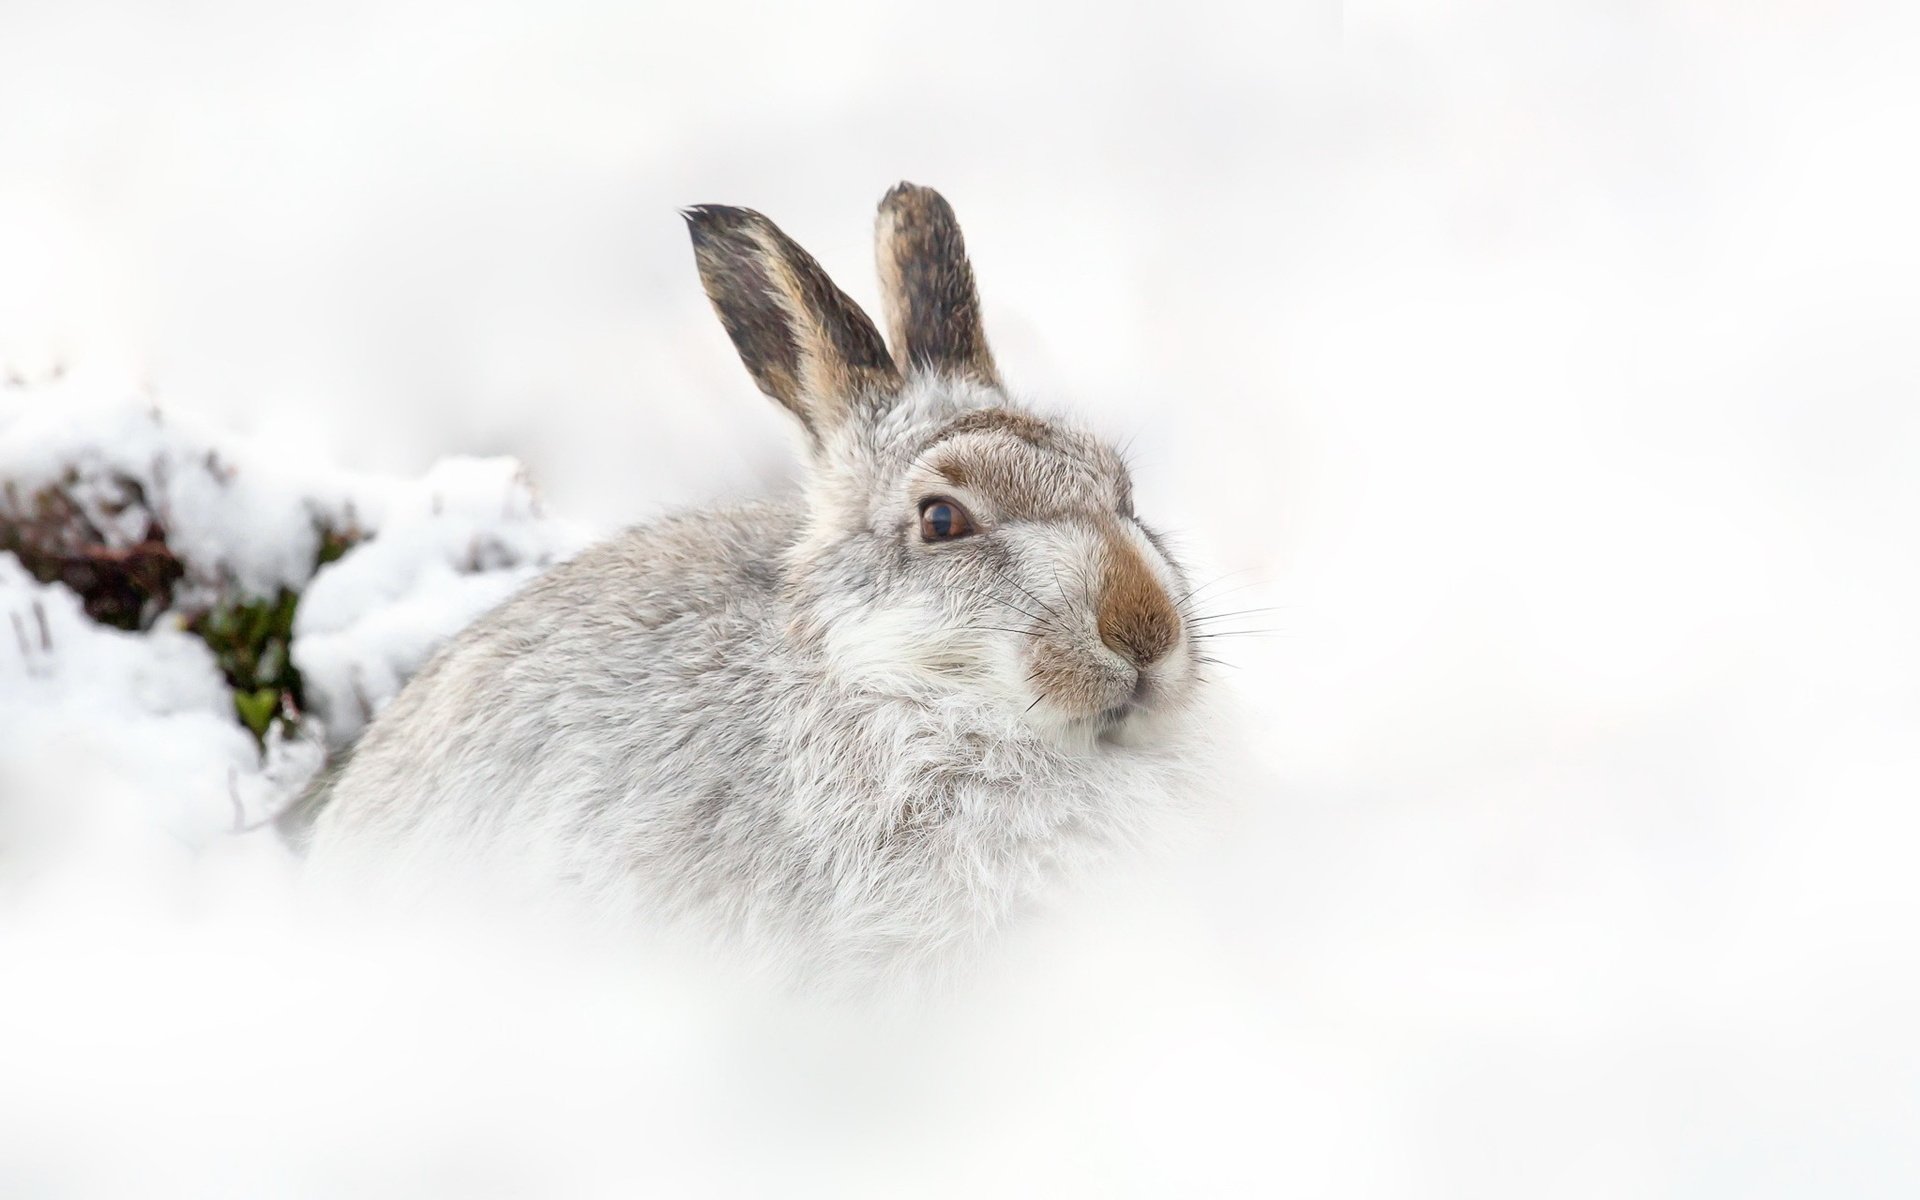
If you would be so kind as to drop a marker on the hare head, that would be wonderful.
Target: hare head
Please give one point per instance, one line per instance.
(953, 547)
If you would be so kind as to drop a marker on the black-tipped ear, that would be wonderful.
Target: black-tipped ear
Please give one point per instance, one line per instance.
(926, 287)
(804, 342)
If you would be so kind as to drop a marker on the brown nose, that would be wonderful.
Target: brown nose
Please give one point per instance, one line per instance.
(1137, 620)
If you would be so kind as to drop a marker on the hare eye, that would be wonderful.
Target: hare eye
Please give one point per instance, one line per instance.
(941, 520)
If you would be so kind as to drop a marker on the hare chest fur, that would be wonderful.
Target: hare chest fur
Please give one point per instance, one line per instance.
(852, 732)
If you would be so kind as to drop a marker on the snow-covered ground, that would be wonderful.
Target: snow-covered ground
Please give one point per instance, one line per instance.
(147, 709)
(1550, 369)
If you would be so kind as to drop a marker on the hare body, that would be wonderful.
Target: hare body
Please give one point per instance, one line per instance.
(852, 731)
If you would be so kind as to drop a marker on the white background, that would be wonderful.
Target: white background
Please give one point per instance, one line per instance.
(1550, 368)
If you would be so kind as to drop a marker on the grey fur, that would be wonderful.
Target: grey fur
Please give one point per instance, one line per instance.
(796, 726)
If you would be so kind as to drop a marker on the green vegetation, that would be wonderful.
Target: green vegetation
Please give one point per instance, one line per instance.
(252, 641)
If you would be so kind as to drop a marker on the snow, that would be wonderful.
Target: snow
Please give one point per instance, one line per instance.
(254, 528)
(150, 712)
(150, 708)
(1550, 370)
(450, 546)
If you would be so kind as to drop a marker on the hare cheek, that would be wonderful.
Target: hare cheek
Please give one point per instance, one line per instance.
(904, 647)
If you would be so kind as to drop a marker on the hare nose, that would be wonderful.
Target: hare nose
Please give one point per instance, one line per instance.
(1137, 620)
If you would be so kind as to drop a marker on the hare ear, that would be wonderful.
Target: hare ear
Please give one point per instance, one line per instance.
(803, 341)
(926, 287)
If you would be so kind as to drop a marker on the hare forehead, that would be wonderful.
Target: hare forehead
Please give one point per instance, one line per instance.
(1026, 478)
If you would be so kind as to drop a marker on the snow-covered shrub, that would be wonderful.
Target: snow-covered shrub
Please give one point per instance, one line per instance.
(205, 616)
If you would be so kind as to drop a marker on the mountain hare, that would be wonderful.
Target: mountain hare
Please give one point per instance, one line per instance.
(851, 732)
